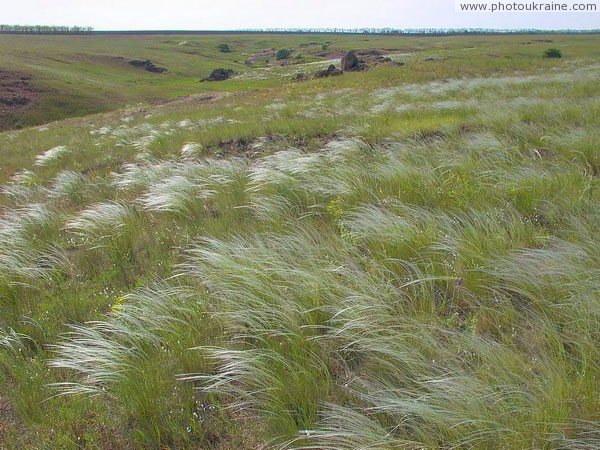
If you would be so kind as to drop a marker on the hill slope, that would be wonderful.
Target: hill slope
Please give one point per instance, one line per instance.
(401, 258)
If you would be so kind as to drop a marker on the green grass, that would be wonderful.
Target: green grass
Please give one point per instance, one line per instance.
(401, 258)
(79, 75)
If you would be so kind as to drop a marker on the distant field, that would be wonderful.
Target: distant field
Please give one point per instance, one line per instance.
(401, 258)
(78, 75)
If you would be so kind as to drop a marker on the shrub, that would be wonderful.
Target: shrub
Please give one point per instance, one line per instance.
(553, 53)
(224, 48)
(283, 54)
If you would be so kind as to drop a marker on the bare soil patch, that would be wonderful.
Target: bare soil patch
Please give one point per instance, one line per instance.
(16, 90)
(18, 94)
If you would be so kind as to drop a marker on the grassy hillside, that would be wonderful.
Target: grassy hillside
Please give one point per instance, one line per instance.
(78, 75)
(400, 258)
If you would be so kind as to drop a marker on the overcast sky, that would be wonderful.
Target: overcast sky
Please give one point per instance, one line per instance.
(239, 14)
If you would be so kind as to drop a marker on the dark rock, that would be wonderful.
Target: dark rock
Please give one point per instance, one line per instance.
(139, 62)
(330, 72)
(370, 52)
(351, 63)
(148, 65)
(300, 77)
(219, 75)
(155, 69)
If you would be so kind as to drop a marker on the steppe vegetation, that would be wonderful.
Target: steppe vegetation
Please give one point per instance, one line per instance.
(405, 257)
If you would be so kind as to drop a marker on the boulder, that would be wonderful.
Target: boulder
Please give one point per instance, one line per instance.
(148, 65)
(351, 63)
(155, 69)
(219, 75)
(330, 72)
(300, 77)
(139, 62)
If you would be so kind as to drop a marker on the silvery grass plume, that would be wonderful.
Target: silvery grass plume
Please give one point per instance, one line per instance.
(396, 229)
(27, 247)
(578, 144)
(139, 136)
(51, 155)
(191, 149)
(178, 194)
(22, 188)
(143, 175)
(269, 292)
(419, 384)
(104, 352)
(103, 221)
(282, 387)
(307, 180)
(13, 341)
(67, 184)
(269, 285)
(194, 183)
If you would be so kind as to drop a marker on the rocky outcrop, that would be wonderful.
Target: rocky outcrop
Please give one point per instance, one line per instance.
(331, 71)
(219, 75)
(351, 63)
(148, 65)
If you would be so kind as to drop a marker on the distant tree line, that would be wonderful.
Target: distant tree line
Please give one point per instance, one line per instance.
(433, 31)
(44, 29)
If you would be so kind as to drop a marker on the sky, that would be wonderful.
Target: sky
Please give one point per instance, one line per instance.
(240, 14)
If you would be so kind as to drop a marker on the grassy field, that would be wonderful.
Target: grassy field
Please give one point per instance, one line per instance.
(405, 257)
(79, 75)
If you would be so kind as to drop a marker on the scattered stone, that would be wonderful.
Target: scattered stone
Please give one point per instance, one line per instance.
(370, 52)
(331, 71)
(260, 56)
(300, 77)
(351, 63)
(148, 65)
(138, 62)
(155, 69)
(219, 75)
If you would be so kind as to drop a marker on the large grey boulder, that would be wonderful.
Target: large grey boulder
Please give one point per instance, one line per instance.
(350, 62)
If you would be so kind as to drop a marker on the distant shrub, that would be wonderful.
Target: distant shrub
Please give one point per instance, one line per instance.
(553, 53)
(283, 53)
(224, 48)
